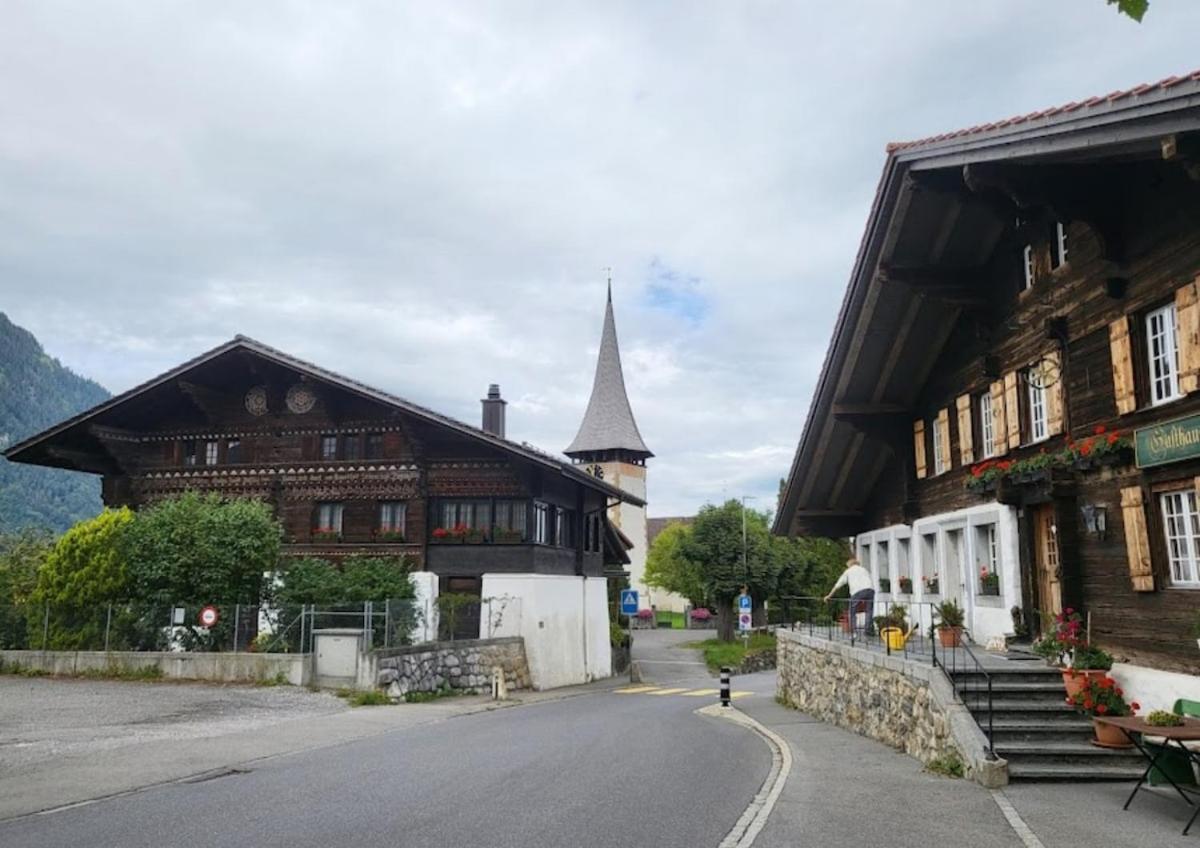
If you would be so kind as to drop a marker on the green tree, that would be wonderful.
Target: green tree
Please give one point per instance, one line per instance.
(21, 555)
(357, 579)
(667, 567)
(730, 555)
(202, 549)
(1135, 9)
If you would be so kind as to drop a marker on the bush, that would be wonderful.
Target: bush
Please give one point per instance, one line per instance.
(368, 698)
(358, 579)
(701, 614)
(617, 636)
(645, 614)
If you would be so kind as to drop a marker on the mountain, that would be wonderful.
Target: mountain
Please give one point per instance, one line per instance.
(37, 391)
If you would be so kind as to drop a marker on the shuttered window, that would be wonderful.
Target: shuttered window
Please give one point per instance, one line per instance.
(1181, 524)
(987, 427)
(966, 430)
(919, 449)
(1187, 326)
(1121, 349)
(939, 449)
(1162, 348)
(1038, 410)
(1137, 540)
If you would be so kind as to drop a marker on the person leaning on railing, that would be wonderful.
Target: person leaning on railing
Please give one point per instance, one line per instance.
(862, 590)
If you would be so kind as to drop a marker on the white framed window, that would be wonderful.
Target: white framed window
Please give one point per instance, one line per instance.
(1039, 429)
(987, 559)
(987, 430)
(541, 523)
(329, 447)
(392, 516)
(1027, 259)
(329, 517)
(1182, 527)
(882, 563)
(211, 452)
(939, 461)
(1162, 345)
(1059, 254)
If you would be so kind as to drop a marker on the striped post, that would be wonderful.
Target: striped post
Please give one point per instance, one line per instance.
(725, 686)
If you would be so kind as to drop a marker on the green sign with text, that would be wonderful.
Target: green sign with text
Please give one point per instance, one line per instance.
(1169, 442)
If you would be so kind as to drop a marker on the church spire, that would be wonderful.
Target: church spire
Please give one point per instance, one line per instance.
(608, 423)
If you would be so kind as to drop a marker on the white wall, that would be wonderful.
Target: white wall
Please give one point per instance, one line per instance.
(1154, 689)
(425, 583)
(563, 620)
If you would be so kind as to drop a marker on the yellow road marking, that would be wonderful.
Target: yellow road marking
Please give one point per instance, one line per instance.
(634, 690)
(700, 693)
(667, 692)
(739, 694)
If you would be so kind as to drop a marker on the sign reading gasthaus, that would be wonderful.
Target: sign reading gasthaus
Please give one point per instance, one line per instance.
(1167, 442)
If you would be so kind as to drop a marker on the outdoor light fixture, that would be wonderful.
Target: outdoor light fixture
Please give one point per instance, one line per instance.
(1095, 519)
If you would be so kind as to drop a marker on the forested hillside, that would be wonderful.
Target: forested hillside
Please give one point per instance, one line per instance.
(36, 391)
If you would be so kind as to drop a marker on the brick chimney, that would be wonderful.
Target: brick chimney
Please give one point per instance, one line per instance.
(493, 411)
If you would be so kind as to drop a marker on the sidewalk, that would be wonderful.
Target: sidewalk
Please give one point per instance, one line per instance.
(848, 791)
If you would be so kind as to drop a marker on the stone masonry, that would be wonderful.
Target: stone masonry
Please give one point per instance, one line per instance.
(902, 703)
(465, 666)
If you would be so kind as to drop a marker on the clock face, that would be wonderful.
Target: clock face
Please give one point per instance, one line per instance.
(596, 471)
(301, 399)
(256, 401)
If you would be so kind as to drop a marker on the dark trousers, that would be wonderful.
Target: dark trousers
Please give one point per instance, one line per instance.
(863, 601)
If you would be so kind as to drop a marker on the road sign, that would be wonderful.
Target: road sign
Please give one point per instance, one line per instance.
(629, 602)
(744, 603)
(744, 621)
(208, 617)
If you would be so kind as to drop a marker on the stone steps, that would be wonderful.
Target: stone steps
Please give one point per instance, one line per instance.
(1080, 752)
(1074, 773)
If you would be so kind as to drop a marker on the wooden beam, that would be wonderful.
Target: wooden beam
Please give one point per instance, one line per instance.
(844, 409)
(827, 513)
(114, 434)
(950, 286)
(82, 460)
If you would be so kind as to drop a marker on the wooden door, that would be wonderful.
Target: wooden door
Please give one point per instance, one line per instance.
(1047, 565)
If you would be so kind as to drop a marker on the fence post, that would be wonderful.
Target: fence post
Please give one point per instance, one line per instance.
(302, 623)
(387, 622)
(107, 627)
(368, 620)
(237, 620)
(46, 627)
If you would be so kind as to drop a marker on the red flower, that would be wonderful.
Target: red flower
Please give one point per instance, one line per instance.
(1099, 429)
(1101, 709)
(1120, 691)
(1069, 611)
(1087, 703)
(1136, 706)
(1113, 438)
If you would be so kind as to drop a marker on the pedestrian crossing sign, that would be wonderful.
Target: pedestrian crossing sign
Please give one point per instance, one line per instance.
(629, 602)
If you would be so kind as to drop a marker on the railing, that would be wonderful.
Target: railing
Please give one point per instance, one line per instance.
(972, 684)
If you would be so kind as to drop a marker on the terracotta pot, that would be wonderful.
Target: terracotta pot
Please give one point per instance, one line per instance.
(1074, 680)
(1108, 736)
(950, 637)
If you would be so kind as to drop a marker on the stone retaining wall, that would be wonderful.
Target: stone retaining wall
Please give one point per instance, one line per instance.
(172, 665)
(465, 666)
(903, 703)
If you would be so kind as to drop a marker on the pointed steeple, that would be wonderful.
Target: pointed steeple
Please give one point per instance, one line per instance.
(608, 424)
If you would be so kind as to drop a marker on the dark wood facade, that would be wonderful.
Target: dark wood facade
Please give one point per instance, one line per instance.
(897, 424)
(347, 469)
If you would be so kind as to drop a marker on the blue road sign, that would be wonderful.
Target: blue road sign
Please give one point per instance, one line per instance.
(629, 602)
(744, 604)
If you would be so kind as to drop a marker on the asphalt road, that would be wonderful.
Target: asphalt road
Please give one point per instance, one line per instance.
(597, 770)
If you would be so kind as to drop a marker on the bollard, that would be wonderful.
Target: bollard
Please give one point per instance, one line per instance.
(499, 685)
(724, 686)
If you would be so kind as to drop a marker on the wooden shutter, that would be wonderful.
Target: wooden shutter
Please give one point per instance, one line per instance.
(999, 419)
(1055, 393)
(1137, 539)
(919, 448)
(966, 435)
(1121, 348)
(943, 425)
(1012, 410)
(1187, 318)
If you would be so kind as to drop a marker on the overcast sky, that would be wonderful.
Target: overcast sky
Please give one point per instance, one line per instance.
(424, 196)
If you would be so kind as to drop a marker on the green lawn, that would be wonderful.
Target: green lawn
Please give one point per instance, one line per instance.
(718, 653)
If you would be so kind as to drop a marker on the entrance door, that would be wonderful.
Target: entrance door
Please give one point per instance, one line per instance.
(459, 614)
(1046, 561)
(954, 568)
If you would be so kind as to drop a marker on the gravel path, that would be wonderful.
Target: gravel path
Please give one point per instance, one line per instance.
(44, 718)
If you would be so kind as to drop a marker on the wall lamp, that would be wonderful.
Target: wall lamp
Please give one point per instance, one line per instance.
(1095, 519)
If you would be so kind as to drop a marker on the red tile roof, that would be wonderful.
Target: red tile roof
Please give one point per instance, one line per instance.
(1090, 103)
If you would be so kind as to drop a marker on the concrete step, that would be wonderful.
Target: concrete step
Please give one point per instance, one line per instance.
(1040, 732)
(1039, 691)
(1079, 752)
(1008, 708)
(1075, 773)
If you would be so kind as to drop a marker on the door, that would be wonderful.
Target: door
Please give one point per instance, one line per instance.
(458, 608)
(954, 568)
(1047, 566)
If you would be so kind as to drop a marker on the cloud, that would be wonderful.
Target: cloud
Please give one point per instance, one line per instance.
(424, 197)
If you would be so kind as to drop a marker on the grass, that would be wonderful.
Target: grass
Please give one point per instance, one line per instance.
(280, 679)
(426, 697)
(364, 697)
(947, 765)
(112, 672)
(718, 653)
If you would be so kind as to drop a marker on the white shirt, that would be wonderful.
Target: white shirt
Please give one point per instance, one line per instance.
(857, 577)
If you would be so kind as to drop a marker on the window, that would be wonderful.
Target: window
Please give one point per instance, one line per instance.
(931, 582)
(510, 519)
(883, 566)
(593, 534)
(903, 567)
(329, 447)
(233, 451)
(1028, 262)
(564, 534)
(189, 452)
(1039, 429)
(939, 452)
(211, 450)
(541, 523)
(1182, 526)
(1163, 350)
(472, 514)
(374, 446)
(329, 519)
(987, 559)
(1058, 256)
(392, 516)
(987, 430)
(352, 447)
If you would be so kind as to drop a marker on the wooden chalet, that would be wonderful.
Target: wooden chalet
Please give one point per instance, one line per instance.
(348, 469)
(1023, 308)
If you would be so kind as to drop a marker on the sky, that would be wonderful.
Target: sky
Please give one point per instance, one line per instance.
(427, 196)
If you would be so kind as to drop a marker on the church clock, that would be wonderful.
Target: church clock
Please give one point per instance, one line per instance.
(596, 471)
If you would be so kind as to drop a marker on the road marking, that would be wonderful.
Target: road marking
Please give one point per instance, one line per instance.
(634, 690)
(755, 817)
(668, 691)
(739, 694)
(696, 693)
(1015, 821)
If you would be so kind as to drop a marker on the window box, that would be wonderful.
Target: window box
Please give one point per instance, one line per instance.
(932, 586)
(474, 537)
(905, 585)
(450, 535)
(989, 582)
(507, 537)
(326, 534)
(885, 585)
(389, 536)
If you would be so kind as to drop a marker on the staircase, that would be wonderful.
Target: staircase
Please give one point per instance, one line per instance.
(1041, 736)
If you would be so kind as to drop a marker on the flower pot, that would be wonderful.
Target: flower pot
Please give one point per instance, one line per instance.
(1075, 679)
(1108, 736)
(950, 637)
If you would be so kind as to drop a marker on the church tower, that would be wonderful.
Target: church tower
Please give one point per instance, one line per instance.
(609, 445)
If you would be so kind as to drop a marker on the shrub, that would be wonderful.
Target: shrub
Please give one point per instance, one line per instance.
(701, 614)
(949, 614)
(617, 636)
(368, 698)
(645, 614)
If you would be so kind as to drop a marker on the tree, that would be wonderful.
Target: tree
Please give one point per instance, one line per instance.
(359, 579)
(809, 566)
(21, 555)
(1135, 9)
(202, 549)
(668, 568)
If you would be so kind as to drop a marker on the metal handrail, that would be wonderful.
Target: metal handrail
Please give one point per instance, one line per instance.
(977, 668)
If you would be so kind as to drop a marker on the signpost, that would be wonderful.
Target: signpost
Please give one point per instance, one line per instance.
(745, 612)
(629, 601)
(208, 617)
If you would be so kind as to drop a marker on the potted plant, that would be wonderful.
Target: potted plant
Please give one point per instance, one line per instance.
(893, 626)
(885, 585)
(1102, 697)
(989, 581)
(701, 617)
(1087, 663)
(949, 616)
(450, 535)
(931, 584)
(474, 536)
(905, 585)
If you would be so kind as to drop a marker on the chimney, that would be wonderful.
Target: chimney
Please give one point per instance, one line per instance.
(493, 411)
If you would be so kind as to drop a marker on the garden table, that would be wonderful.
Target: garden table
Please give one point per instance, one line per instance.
(1134, 727)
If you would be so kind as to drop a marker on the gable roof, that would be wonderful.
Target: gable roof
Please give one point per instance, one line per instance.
(887, 336)
(654, 526)
(608, 422)
(20, 451)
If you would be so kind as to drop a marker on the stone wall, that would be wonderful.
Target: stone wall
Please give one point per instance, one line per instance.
(903, 703)
(217, 667)
(464, 665)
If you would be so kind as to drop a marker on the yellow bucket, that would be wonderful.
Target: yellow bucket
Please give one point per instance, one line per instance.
(894, 637)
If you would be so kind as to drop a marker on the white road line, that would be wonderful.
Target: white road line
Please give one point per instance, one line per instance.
(1017, 823)
(755, 817)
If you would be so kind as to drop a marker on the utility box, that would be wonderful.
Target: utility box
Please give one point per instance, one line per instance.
(336, 655)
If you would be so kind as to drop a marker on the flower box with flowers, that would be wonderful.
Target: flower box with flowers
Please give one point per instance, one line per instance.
(885, 585)
(932, 586)
(989, 581)
(1102, 448)
(326, 534)
(450, 535)
(389, 536)
(501, 536)
(474, 536)
(905, 585)
(1102, 697)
